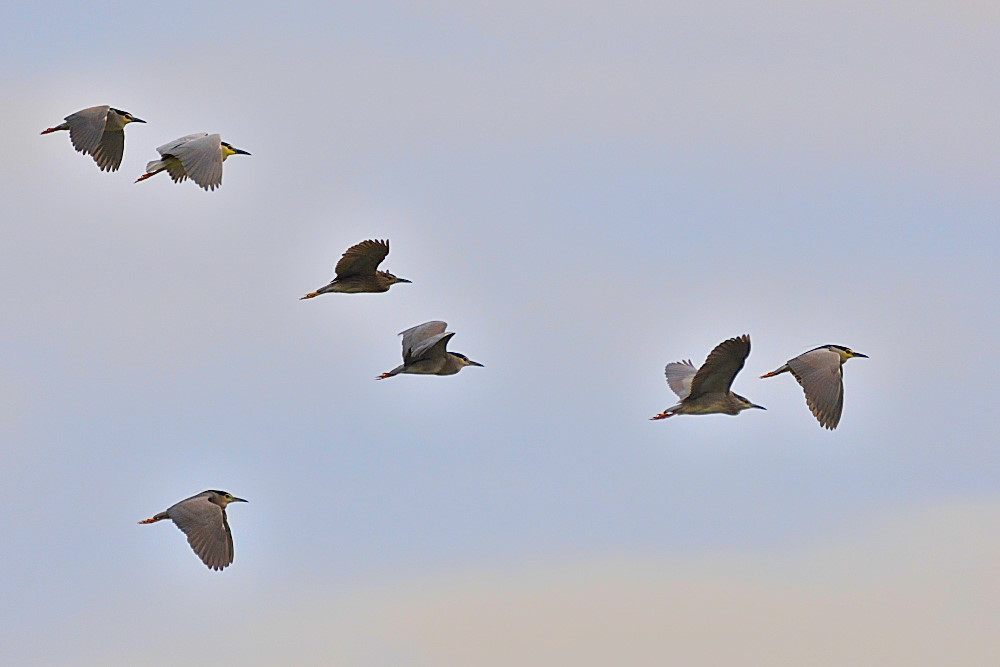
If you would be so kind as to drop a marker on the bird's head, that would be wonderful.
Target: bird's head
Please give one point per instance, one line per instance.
(227, 150)
(465, 360)
(127, 117)
(845, 352)
(223, 498)
(393, 279)
(744, 404)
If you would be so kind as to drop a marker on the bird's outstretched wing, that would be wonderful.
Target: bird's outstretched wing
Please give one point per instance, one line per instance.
(108, 153)
(434, 347)
(206, 528)
(202, 160)
(176, 171)
(417, 339)
(86, 127)
(821, 375)
(722, 365)
(362, 259)
(679, 376)
(169, 148)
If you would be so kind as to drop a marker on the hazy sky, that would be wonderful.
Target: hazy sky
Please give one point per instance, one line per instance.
(584, 192)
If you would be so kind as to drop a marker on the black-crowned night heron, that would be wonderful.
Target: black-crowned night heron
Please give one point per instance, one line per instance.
(821, 374)
(705, 390)
(197, 156)
(424, 352)
(100, 133)
(357, 271)
(203, 519)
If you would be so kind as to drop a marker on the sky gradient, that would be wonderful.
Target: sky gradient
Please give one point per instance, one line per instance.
(584, 192)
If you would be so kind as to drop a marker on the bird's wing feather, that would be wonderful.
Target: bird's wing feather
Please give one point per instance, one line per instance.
(679, 376)
(414, 336)
(229, 538)
(434, 347)
(206, 528)
(108, 154)
(822, 378)
(169, 148)
(202, 160)
(362, 259)
(721, 366)
(176, 170)
(86, 128)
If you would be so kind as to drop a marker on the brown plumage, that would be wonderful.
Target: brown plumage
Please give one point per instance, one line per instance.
(357, 271)
(707, 390)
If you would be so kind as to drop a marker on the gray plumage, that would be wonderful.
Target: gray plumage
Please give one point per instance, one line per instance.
(706, 390)
(197, 156)
(820, 372)
(425, 353)
(357, 271)
(98, 132)
(203, 519)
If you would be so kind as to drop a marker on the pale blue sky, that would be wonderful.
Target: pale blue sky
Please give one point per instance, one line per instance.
(584, 191)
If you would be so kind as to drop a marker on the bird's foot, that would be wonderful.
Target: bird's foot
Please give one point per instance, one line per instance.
(384, 376)
(143, 177)
(769, 375)
(309, 296)
(662, 415)
(51, 129)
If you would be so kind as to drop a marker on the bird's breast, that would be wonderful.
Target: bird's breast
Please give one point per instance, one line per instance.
(707, 404)
(355, 286)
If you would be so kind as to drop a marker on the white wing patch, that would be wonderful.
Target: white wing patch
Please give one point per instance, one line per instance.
(679, 377)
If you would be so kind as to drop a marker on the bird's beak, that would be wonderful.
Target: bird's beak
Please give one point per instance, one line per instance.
(240, 151)
(238, 500)
(858, 354)
(759, 407)
(475, 363)
(403, 280)
(137, 120)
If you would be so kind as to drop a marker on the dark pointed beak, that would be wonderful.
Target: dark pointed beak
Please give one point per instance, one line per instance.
(403, 280)
(863, 356)
(238, 500)
(137, 120)
(240, 151)
(475, 363)
(759, 407)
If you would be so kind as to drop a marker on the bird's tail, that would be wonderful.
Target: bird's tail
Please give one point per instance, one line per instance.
(159, 517)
